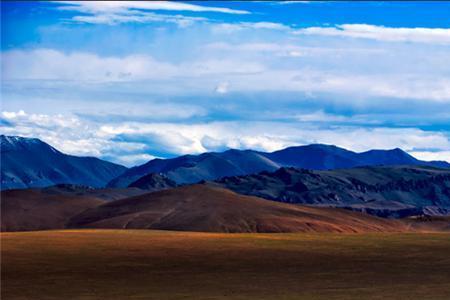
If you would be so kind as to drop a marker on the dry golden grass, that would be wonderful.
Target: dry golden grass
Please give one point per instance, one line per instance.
(142, 264)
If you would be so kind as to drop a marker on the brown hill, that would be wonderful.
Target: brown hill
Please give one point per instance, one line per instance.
(428, 223)
(34, 209)
(204, 208)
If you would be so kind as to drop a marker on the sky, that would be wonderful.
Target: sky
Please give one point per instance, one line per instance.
(132, 81)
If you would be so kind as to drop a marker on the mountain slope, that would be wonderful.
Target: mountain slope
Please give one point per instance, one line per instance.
(33, 209)
(104, 194)
(30, 162)
(394, 191)
(211, 166)
(202, 208)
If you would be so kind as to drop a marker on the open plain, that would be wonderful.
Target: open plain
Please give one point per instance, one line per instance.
(147, 264)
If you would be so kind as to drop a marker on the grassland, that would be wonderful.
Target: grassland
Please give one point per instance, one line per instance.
(141, 264)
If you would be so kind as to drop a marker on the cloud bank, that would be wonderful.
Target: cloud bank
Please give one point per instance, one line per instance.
(129, 81)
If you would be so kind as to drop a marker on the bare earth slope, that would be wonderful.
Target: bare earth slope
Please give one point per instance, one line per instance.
(36, 210)
(203, 208)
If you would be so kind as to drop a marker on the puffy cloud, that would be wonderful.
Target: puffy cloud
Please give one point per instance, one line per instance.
(222, 88)
(133, 142)
(13, 115)
(271, 136)
(69, 134)
(381, 33)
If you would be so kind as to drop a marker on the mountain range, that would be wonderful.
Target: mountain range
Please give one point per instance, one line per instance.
(189, 169)
(28, 162)
(308, 188)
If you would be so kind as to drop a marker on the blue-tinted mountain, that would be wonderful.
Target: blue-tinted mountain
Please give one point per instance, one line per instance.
(211, 166)
(28, 162)
(316, 157)
(194, 168)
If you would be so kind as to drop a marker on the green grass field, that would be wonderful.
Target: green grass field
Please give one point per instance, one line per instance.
(133, 264)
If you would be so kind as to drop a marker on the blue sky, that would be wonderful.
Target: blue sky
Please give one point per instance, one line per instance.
(130, 81)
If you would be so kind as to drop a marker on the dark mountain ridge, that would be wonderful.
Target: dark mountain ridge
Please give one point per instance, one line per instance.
(153, 182)
(395, 191)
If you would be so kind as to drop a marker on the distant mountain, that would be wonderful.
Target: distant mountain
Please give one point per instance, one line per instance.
(153, 182)
(202, 208)
(388, 191)
(193, 168)
(211, 166)
(316, 156)
(28, 162)
(325, 157)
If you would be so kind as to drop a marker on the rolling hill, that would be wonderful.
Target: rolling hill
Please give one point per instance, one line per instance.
(51, 207)
(30, 162)
(207, 209)
(33, 209)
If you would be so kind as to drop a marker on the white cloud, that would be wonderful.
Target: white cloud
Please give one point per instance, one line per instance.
(144, 17)
(128, 6)
(229, 28)
(134, 159)
(222, 88)
(133, 142)
(428, 155)
(79, 66)
(320, 116)
(281, 50)
(116, 12)
(13, 115)
(41, 120)
(68, 134)
(246, 72)
(381, 33)
(271, 136)
(52, 64)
